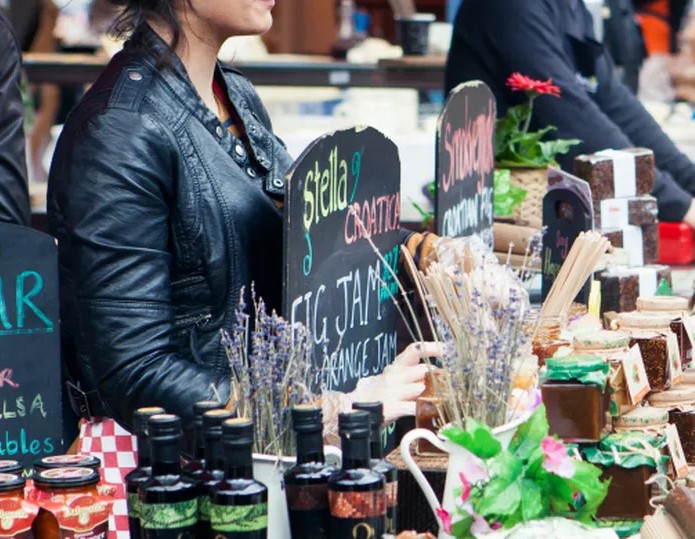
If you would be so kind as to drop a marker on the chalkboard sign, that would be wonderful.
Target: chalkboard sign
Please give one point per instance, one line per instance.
(30, 382)
(466, 162)
(344, 187)
(567, 211)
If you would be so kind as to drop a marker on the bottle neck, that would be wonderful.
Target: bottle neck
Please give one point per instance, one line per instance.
(310, 447)
(238, 462)
(376, 447)
(166, 457)
(214, 453)
(355, 452)
(199, 443)
(144, 458)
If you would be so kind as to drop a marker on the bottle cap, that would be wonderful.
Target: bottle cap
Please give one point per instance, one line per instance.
(66, 477)
(164, 426)
(355, 423)
(307, 418)
(10, 482)
(375, 409)
(237, 431)
(13, 467)
(67, 461)
(200, 407)
(142, 415)
(213, 419)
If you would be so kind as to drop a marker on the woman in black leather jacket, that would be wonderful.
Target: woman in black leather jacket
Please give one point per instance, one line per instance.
(165, 195)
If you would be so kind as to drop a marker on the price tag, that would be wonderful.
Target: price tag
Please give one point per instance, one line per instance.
(635, 376)
(675, 366)
(680, 466)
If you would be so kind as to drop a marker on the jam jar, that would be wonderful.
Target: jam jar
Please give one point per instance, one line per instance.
(674, 307)
(548, 337)
(70, 504)
(427, 411)
(16, 514)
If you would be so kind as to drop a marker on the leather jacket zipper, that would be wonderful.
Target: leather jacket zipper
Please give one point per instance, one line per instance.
(192, 320)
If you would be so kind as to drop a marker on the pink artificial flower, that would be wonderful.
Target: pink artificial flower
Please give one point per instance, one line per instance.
(445, 518)
(480, 525)
(466, 487)
(473, 468)
(556, 460)
(537, 399)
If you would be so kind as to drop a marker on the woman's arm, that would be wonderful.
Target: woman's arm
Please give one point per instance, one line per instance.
(111, 181)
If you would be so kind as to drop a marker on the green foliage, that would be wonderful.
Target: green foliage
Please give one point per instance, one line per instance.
(516, 147)
(506, 196)
(520, 487)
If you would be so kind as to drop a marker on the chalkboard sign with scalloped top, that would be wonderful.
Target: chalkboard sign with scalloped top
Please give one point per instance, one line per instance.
(30, 379)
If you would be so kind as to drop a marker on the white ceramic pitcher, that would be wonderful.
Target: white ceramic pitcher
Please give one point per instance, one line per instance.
(269, 470)
(457, 454)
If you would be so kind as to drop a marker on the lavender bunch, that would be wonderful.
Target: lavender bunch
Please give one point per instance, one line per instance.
(271, 370)
(479, 310)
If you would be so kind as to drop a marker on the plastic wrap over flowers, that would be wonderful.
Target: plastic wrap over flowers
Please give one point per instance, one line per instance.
(479, 310)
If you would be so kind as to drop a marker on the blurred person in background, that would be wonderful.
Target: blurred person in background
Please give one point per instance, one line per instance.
(14, 196)
(554, 39)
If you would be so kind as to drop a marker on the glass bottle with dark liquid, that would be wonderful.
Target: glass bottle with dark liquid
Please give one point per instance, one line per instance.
(378, 463)
(142, 473)
(306, 483)
(213, 471)
(168, 503)
(239, 507)
(195, 445)
(356, 494)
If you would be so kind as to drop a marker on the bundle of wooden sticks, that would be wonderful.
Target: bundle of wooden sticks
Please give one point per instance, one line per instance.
(583, 257)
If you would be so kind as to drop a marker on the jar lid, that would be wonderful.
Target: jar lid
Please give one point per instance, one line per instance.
(641, 417)
(11, 467)
(585, 369)
(10, 482)
(66, 477)
(642, 320)
(67, 461)
(601, 340)
(674, 397)
(655, 304)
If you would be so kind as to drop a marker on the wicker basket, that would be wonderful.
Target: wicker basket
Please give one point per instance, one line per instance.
(535, 182)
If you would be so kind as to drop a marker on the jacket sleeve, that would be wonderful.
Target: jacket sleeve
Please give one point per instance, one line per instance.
(117, 218)
(529, 39)
(14, 195)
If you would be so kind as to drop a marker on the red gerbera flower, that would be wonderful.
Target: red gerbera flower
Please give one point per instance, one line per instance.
(521, 83)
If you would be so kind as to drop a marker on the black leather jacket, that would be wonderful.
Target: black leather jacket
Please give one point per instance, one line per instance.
(14, 195)
(162, 217)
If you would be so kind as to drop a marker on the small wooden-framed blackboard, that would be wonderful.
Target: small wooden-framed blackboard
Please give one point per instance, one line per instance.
(345, 186)
(465, 162)
(30, 381)
(567, 211)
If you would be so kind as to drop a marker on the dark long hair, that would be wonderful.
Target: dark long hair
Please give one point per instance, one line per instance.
(135, 12)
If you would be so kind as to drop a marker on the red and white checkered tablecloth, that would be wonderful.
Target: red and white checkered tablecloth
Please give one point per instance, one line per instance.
(117, 449)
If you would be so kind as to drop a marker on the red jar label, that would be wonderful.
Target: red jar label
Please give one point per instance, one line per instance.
(16, 517)
(84, 514)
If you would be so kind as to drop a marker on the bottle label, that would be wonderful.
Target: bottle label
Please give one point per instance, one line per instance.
(16, 517)
(391, 506)
(204, 504)
(238, 519)
(308, 510)
(358, 528)
(133, 506)
(179, 517)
